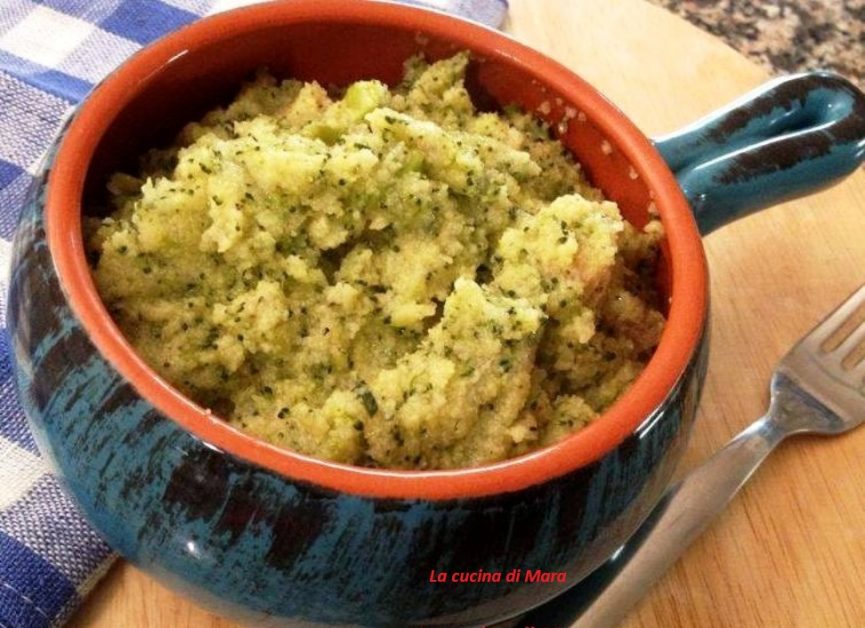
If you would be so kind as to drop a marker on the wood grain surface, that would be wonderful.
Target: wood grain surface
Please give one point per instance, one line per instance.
(790, 549)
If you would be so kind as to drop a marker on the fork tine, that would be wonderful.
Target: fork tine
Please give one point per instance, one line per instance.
(831, 332)
(847, 352)
(822, 369)
(843, 331)
(858, 372)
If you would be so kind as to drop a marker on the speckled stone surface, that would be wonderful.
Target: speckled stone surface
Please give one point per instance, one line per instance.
(786, 36)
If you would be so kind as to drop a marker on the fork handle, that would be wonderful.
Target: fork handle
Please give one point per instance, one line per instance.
(684, 513)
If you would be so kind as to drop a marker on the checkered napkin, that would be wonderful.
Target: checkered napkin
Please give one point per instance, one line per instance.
(52, 52)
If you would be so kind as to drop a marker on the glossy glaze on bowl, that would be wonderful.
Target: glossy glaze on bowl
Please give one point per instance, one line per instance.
(255, 531)
(271, 536)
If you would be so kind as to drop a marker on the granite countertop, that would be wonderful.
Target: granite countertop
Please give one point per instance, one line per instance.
(786, 36)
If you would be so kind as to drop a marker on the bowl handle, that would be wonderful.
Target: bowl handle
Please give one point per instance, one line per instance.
(788, 138)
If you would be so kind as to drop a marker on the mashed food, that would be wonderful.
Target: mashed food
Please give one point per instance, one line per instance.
(379, 277)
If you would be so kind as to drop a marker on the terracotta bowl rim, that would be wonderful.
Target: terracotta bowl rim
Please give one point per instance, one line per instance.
(688, 300)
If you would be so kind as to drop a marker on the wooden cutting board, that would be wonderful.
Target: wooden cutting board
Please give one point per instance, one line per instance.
(789, 550)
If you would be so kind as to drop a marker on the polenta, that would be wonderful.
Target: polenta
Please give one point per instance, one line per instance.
(383, 277)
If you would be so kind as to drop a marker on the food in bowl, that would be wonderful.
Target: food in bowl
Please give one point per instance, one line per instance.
(385, 277)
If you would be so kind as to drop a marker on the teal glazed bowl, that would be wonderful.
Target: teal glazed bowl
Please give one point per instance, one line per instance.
(273, 537)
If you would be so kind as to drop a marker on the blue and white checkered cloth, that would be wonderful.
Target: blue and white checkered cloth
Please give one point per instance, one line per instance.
(52, 52)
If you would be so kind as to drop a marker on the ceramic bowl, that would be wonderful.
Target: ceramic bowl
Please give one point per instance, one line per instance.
(272, 537)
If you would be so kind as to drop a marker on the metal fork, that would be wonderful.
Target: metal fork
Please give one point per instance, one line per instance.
(818, 387)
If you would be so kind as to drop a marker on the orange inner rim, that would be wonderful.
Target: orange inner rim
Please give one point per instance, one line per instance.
(686, 266)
